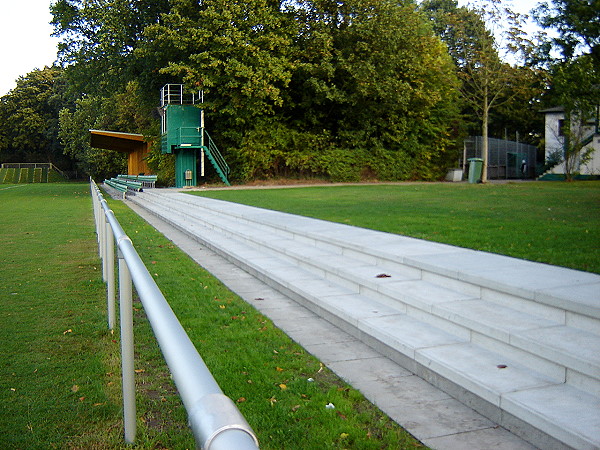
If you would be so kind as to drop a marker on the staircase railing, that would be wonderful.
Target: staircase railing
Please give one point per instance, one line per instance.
(585, 141)
(216, 157)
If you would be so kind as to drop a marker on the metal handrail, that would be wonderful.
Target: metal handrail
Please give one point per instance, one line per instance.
(217, 155)
(214, 419)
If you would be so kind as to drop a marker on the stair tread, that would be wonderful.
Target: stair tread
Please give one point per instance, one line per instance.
(490, 318)
(569, 346)
(563, 411)
(406, 334)
(565, 288)
(481, 371)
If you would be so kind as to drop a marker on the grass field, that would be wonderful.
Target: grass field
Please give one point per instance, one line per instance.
(60, 377)
(552, 222)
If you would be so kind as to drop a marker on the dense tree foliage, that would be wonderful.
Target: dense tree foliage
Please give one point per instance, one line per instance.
(98, 39)
(319, 87)
(347, 89)
(29, 119)
(377, 81)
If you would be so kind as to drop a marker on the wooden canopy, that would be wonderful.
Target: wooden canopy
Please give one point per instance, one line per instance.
(134, 145)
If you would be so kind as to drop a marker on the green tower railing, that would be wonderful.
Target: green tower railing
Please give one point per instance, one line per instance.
(216, 159)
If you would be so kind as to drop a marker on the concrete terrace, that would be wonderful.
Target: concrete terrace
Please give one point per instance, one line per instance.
(449, 342)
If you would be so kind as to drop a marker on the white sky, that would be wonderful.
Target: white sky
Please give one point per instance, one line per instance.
(520, 6)
(26, 44)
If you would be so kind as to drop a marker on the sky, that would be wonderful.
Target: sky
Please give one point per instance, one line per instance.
(519, 6)
(26, 43)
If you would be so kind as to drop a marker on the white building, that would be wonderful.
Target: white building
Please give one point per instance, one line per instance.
(588, 160)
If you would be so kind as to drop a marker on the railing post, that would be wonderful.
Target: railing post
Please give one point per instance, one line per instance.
(127, 350)
(109, 258)
(102, 242)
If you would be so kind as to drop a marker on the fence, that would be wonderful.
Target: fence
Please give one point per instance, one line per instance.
(48, 166)
(213, 417)
(506, 159)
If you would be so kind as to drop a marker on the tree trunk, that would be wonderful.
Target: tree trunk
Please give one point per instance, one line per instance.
(568, 146)
(484, 146)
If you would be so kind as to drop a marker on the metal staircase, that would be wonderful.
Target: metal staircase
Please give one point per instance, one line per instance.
(216, 159)
(198, 138)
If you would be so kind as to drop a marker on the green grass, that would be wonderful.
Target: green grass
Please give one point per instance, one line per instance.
(52, 339)
(60, 377)
(30, 175)
(552, 222)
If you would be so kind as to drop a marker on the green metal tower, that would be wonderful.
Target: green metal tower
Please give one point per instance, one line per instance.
(183, 133)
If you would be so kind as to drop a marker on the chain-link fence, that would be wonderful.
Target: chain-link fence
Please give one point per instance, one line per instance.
(506, 159)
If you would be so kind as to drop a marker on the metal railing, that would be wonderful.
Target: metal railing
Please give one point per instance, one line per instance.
(173, 94)
(220, 161)
(189, 136)
(214, 419)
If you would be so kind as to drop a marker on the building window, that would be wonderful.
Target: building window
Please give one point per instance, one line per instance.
(561, 127)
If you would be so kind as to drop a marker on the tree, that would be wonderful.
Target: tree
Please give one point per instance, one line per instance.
(98, 39)
(488, 81)
(29, 118)
(577, 23)
(382, 81)
(575, 73)
(238, 53)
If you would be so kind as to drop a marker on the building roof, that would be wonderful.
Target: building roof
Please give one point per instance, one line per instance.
(555, 109)
(114, 140)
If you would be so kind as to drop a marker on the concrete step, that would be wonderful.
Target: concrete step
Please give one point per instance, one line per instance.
(401, 286)
(430, 317)
(573, 291)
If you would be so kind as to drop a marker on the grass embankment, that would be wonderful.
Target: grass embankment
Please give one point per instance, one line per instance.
(60, 377)
(556, 223)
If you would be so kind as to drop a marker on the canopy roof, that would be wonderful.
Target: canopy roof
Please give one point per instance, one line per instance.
(114, 140)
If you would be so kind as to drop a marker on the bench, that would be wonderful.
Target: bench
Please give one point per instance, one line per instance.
(123, 185)
(118, 186)
(148, 181)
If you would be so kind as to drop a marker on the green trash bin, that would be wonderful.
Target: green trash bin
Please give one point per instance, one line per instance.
(475, 168)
